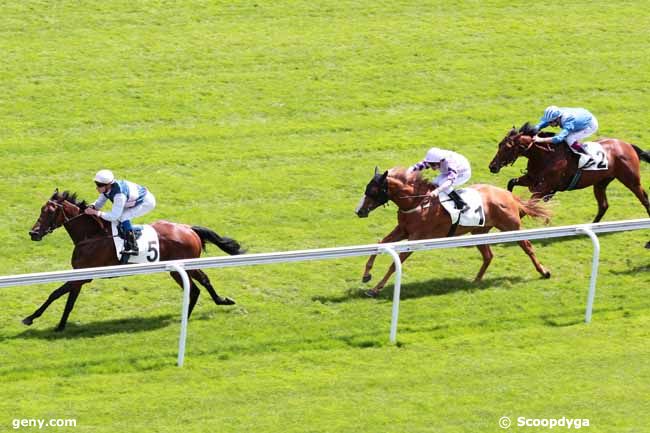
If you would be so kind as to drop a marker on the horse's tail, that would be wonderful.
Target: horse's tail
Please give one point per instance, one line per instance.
(533, 208)
(643, 155)
(228, 245)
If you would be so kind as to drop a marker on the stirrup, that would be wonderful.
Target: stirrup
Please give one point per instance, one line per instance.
(131, 251)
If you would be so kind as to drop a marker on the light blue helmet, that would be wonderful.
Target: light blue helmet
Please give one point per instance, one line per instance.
(551, 113)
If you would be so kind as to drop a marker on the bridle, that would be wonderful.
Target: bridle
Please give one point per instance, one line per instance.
(51, 220)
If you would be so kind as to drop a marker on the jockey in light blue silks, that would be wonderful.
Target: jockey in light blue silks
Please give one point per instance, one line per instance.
(454, 170)
(129, 200)
(576, 124)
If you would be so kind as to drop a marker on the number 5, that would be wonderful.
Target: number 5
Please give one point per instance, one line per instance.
(153, 247)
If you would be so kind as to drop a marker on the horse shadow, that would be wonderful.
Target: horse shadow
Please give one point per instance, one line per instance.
(100, 328)
(633, 271)
(432, 287)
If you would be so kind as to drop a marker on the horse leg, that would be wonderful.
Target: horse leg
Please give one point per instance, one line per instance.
(56, 294)
(194, 291)
(519, 181)
(396, 235)
(486, 252)
(203, 279)
(600, 191)
(69, 305)
(514, 223)
(528, 249)
(380, 285)
(633, 182)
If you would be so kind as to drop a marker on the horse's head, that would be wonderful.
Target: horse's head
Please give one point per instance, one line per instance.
(512, 146)
(376, 194)
(60, 208)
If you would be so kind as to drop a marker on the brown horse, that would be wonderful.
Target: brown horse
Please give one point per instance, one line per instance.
(94, 246)
(555, 168)
(420, 217)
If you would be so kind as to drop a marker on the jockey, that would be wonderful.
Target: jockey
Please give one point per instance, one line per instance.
(454, 170)
(129, 201)
(576, 124)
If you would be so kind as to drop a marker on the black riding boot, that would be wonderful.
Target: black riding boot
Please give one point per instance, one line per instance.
(578, 148)
(130, 244)
(458, 201)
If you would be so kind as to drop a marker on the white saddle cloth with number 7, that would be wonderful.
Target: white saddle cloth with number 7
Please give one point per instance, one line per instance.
(472, 217)
(148, 247)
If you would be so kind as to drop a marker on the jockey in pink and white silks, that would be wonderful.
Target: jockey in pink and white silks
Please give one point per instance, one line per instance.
(576, 124)
(130, 200)
(454, 170)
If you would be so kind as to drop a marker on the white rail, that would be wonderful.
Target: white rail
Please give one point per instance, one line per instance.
(181, 266)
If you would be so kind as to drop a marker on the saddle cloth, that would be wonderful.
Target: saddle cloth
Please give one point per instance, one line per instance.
(472, 217)
(597, 158)
(148, 247)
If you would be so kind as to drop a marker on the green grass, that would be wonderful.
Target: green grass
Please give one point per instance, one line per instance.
(264, 122)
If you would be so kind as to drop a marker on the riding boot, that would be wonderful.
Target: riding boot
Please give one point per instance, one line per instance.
(578, 148)
(130, 244)
(458, 201)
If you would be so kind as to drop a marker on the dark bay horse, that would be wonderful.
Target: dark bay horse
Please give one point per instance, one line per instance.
(554, 168)
(93, 246)
(420, 217)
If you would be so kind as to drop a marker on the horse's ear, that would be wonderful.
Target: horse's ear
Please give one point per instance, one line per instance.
(385, 175)
(376, 170)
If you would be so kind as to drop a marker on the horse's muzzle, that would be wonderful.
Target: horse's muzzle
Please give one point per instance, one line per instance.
(363, 213)
(36, 236)
(494, 168)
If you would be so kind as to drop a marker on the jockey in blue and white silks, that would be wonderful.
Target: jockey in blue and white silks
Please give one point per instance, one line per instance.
(454, 170)
(576, 124)
(129, 199)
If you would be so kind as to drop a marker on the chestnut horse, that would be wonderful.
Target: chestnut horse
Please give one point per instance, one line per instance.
(555, 168)
(420, 217)
(94, 246)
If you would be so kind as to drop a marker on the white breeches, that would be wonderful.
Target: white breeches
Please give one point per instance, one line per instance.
(461, 178)
(146, 206)
(580, 135)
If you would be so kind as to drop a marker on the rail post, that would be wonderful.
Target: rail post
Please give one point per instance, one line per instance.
(594, 270)
(184, 309)
(396, 292)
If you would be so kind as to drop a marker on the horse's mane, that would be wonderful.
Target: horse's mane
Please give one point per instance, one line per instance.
(414, 178)
(530, 130)
(69, 197)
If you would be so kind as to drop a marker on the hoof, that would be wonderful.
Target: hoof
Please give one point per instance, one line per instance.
(648, 245)
(372, 294)
(547, 275)
(59, 328)
(368, 277)
(226, 301)
(27, 321)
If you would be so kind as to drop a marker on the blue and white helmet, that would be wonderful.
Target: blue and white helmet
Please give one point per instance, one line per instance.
(551, 113)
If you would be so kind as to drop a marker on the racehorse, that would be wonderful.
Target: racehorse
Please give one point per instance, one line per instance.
(420, 217)
(94, 246)
(552, 169)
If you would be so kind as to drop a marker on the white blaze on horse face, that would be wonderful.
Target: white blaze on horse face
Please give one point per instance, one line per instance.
(360, 205)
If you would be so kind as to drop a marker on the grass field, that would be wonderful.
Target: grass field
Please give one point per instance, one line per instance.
(264, 121)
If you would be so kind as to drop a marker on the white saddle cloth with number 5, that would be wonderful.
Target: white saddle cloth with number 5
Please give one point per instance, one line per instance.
(148, 246)
(474, 216)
